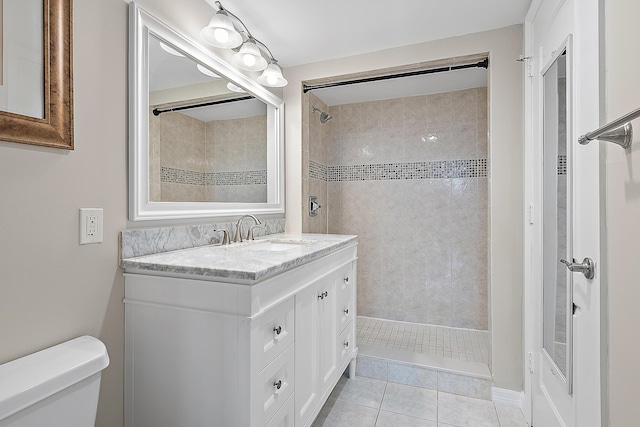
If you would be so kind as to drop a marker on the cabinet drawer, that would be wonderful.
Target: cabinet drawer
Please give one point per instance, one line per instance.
(345, 313)
(273, 333)
(345, 284)
(275, 384)
(284, 416)
(346, 343)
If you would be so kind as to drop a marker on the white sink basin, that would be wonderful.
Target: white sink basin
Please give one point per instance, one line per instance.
(278, 245)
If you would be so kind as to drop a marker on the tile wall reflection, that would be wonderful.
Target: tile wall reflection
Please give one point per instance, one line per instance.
(196, 161)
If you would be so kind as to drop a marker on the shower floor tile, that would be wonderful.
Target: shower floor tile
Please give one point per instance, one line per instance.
(455, 343)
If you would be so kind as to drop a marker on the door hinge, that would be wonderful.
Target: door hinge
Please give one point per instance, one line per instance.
(530, 362)
(527, 61)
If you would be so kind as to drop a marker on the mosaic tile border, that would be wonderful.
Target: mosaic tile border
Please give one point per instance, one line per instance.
(318, 171)
(183, 176)
(441, 169)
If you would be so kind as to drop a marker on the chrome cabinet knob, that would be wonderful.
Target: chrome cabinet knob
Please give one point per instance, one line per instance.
(346, 344)
(278, 384)
(277, 330)
(346, 279)
(346, 311)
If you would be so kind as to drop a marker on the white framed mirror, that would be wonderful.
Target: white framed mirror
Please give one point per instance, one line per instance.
(557, 331)
(198, 149)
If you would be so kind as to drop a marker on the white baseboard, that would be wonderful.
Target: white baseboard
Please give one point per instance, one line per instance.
(502, 396)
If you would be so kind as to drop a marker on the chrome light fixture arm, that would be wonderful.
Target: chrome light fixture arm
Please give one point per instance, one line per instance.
(243, 30)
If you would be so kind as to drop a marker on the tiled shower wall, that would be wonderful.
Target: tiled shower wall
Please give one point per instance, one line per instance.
(409, 176)
(195, 161)
(315, 138)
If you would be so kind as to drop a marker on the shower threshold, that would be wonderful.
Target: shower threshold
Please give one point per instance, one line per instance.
(448, 359)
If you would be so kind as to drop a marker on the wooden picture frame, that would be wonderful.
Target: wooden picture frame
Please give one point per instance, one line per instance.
(56, 128)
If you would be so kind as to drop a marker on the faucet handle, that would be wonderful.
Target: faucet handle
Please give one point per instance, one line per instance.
(250, 231)
(225, 236)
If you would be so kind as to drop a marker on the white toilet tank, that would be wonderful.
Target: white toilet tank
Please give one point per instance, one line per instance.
(56, 387)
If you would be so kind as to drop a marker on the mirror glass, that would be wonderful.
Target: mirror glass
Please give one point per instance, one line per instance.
(22, 57)
(557, 280)
(206, 142)
(206, 139)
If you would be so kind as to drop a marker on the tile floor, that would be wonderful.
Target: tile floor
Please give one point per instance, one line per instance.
(366, 402)
(456, 343)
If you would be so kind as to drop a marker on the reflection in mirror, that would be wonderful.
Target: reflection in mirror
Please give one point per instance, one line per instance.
(557, 298)
(205, 139)
(22, 57)
(206, 143)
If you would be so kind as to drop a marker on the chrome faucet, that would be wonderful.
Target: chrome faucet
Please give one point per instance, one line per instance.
(238, 235)
(225, 236)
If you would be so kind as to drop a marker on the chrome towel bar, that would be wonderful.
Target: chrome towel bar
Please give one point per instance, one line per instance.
(618, 131)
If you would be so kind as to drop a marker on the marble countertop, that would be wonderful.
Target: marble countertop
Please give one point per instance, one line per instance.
(247, 262)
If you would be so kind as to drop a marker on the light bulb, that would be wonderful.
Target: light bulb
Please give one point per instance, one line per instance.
(249, 60)
(249, 57)
(221, 35)
(272, 76)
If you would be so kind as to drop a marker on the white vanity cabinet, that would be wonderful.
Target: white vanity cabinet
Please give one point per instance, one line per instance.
(206, 352)
(322, 327)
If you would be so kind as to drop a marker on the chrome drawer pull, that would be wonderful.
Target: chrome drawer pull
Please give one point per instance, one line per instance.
(346, 311)
(346, 279)
(277, 330)
(346, 344)
(278, 384)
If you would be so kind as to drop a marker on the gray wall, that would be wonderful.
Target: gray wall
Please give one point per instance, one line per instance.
(621, 232)
(53, 289)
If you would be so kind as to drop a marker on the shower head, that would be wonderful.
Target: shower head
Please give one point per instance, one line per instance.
(324, 117)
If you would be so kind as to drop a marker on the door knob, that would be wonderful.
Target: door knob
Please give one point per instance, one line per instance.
(587, 267)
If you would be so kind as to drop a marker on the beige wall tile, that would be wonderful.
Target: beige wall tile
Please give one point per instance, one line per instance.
(430, 229)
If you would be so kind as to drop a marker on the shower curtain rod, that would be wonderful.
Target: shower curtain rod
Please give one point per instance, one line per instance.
(481, 64)
(157, 112)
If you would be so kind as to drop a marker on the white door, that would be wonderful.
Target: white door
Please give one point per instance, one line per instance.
(562, 307)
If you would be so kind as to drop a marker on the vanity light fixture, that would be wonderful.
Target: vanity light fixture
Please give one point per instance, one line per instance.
(220, 32)
(249, 57)
(207, 72)
(225, 30)
(234, 88)
(170, 50)
(272, 76)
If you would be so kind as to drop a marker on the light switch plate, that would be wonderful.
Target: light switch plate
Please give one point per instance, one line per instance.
(91, 225)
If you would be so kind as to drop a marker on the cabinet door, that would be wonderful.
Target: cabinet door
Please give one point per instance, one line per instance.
(306, 353)
(327, 333)
(315, 341)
